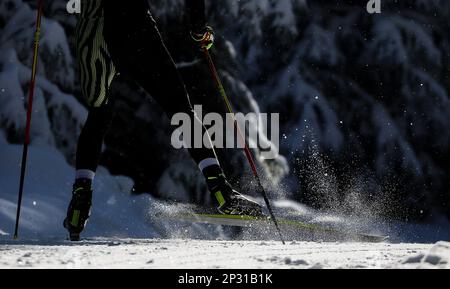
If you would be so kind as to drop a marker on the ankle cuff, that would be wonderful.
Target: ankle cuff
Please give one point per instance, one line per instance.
(206, 163)
(85, 174)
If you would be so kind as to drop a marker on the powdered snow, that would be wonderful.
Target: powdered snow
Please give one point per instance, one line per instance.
(123, 232)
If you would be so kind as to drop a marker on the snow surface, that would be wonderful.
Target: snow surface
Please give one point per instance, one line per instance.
(196, 254)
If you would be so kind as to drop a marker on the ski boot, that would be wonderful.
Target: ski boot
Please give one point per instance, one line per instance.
(230, 201)
(79, 209)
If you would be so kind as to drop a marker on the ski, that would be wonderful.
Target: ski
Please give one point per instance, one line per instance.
(292, 227)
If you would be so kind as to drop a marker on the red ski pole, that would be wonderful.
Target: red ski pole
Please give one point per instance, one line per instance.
(29, 113)
(247, 151)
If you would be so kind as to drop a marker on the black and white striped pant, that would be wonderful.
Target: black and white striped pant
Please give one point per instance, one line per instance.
(97, 69)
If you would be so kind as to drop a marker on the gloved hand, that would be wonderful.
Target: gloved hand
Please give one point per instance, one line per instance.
(203, 39)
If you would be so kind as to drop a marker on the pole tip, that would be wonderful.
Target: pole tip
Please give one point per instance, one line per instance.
(15, 237)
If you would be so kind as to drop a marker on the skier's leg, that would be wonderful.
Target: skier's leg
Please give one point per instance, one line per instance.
(145, 58)
(148, 61)
(91, 140)
(97, 72)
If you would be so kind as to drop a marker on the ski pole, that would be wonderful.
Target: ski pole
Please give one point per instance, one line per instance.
(248, 154)
(29, 113)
